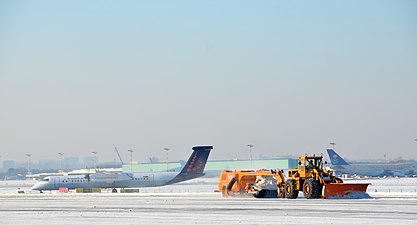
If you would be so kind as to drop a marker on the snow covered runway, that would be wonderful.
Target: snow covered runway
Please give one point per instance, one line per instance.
(170, 205)
(198, 208)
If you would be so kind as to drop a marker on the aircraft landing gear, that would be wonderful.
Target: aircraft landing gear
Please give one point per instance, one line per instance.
(114, 190)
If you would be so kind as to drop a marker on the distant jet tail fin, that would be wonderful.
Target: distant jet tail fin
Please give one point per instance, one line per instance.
(336, 159)
(195, 165)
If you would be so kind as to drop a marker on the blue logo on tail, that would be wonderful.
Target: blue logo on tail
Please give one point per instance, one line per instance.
(336, 159)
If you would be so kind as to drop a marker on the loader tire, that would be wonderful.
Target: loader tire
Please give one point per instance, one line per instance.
(320, 191)
(290, 190)
(311, 188)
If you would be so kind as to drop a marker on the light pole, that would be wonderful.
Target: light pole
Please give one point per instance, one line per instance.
(95, 159)
(131, 153)
(250, 155)
(166, 150)
(29, 155)
(332, 144)
(61, 160)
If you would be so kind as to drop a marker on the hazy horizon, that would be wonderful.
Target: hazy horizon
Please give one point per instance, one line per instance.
(287, 77)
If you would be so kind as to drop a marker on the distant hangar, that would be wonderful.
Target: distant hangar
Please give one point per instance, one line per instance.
(215, 166)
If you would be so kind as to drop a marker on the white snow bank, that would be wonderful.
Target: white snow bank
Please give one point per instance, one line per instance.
(394, 195)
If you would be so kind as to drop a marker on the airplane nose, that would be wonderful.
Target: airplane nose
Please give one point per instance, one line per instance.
(36, 187)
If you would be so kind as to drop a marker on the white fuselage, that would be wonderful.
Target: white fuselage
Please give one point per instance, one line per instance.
(395, 169)
(192, 169)
(105, 180)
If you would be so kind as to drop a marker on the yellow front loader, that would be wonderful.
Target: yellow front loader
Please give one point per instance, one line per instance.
(316, 182)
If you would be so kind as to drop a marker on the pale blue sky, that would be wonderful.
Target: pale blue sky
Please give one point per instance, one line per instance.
(285, 76)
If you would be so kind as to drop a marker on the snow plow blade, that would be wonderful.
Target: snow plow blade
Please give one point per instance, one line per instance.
(340, 190)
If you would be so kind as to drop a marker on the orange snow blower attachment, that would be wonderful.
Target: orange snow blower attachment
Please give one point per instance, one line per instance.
(259, 183)
(316, 182)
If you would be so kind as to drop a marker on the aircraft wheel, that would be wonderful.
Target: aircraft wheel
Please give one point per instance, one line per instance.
(114, 190)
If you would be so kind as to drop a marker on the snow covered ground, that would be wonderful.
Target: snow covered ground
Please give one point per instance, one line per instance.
(195, 202)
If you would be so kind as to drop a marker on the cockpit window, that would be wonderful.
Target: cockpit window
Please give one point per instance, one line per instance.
(46, 179)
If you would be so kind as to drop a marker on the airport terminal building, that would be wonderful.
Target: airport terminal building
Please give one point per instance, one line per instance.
(215, 166)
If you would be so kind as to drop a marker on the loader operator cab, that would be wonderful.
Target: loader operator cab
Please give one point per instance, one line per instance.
(306, 164)
(310, 165)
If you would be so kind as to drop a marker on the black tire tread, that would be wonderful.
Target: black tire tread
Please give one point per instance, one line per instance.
(314, 188)
(293, 193)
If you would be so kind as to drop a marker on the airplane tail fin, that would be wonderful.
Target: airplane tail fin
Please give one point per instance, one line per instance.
(195, 165)
(197, 160)
(336, 159)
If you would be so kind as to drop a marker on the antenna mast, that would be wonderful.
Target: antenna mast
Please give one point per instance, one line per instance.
(118, 154)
